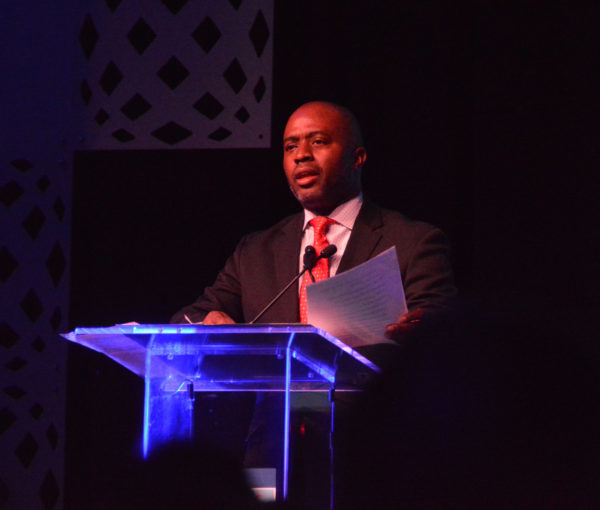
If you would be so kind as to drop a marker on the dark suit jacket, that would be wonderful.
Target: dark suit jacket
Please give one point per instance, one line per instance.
(264, 262)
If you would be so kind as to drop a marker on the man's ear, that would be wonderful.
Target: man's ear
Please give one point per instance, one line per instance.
(360, 157)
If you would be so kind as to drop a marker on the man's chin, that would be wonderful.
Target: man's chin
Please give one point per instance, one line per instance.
(315, 205)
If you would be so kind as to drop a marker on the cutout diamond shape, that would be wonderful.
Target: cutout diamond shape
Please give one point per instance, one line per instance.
(141, 36)
(86, 92)
(43, 183)
(235, 76)
(171, 133)
(101, 117)
(112, 4)
(26, 450)
(16, 364)
(36, 411)
(235, 4)
(123, 135)
(10, 193)
(8, 336)
(7, 418)
(259, 90)
(55, 319)
(49, 491)
(135, 107)
(220, 134)
(209, 106)
(34, 222)
(59, 208)
(32, 306)
(110, 79)
(22, 165)
(173, 73)
(56, 263)
(8, 264)
(14, 392)
(242, 115)
(259, 33)
(206, 34)
(174, 5)
(52, 435)
(88, 37)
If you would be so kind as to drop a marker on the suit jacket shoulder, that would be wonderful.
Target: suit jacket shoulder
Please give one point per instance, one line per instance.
(423, 253)
(262, 263)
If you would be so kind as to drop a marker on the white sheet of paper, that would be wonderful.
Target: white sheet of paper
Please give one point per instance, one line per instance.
(356, 305)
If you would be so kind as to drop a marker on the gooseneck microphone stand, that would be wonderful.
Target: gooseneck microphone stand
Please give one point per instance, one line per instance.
(309, 260)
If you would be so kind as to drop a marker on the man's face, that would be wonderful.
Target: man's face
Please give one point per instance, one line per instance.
(320, 158)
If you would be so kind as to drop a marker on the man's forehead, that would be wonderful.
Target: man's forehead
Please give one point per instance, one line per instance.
(318, 111)
(314, 118)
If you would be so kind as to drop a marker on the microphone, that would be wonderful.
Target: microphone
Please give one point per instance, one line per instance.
(310, 257)
(327, 252)
(309, 260)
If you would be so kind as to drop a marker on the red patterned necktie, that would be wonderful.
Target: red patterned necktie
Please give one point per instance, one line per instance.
(320, 224)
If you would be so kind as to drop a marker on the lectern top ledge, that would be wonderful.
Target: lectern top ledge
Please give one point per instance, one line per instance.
(231, 357)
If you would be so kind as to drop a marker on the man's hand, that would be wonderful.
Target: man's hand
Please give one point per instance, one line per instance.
(406, 324)
(216, 317)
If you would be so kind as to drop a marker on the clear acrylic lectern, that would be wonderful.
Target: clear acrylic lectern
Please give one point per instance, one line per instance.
(178, 360)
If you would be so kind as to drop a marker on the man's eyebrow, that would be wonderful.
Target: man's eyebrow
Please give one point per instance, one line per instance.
(312, 134)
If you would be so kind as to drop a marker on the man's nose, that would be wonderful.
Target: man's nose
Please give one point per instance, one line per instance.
(303, 153)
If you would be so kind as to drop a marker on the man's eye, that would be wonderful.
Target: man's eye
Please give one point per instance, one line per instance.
(288, 148)
(319, 142)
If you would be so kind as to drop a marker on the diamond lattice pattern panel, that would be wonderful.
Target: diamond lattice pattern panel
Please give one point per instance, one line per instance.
(176, 74)
(34, 299)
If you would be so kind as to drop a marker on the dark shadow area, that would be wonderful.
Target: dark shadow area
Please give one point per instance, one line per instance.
(179, 476)
(486, 407)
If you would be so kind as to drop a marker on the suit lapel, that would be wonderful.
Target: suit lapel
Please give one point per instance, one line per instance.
(365, 236)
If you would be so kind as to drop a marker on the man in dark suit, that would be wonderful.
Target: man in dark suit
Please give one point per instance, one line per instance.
(323, 160)
(323, 157)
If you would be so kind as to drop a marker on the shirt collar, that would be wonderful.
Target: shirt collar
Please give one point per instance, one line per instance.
(344, 214)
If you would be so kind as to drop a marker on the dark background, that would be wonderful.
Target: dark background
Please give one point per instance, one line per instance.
(480, 119)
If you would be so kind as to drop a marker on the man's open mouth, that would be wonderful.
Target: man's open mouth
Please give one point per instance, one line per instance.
(306, 177)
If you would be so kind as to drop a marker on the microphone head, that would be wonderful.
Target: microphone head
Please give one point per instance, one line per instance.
(310, 257)
(328, 251)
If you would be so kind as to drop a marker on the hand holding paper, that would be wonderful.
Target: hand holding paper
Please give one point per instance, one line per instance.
(404, 325)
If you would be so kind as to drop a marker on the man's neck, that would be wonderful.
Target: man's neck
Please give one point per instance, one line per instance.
(330, 210)
(345, 213)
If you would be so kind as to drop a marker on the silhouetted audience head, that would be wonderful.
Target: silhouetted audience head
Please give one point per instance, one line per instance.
(181, 476)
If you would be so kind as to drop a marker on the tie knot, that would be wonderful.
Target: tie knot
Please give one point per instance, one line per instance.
(320, 224)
